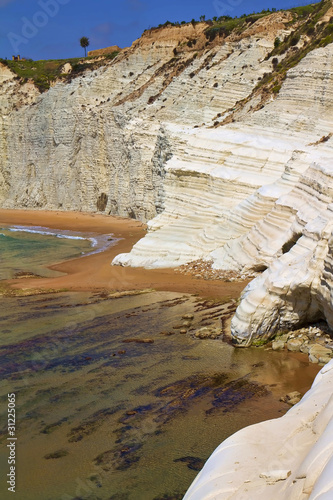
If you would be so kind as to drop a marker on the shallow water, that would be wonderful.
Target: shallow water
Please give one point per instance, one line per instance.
(31, 249)
(102, 416)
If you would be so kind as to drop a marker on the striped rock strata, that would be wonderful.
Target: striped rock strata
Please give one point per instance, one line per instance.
(224, 186)
(101, 142)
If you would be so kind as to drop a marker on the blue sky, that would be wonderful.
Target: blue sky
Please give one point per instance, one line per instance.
(51, 29)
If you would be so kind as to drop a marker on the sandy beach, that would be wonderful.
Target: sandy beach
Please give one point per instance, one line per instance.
(94, 272)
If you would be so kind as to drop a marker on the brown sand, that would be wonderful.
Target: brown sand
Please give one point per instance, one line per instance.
(95, 271)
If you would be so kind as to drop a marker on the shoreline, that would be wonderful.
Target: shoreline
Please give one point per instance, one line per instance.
(94, 271)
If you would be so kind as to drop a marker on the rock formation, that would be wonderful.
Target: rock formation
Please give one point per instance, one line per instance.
(102, 141)
(102, 52)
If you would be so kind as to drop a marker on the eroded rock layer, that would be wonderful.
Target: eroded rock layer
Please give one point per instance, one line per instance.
(224, 186)
(102, 141)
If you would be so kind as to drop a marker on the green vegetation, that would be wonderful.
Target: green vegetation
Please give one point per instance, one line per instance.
(259, 342)
(277, 42)
(276, 89)
(311, 35)
(112, 55)
(43, 73)
(304, 11)
(287, 53)
(225, 25)
(84, 42)
(306, 16)
(222, 25)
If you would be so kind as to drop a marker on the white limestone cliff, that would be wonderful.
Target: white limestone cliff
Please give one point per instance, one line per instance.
(256, 195)
(287, 458)
(222, 184)
(102, 141)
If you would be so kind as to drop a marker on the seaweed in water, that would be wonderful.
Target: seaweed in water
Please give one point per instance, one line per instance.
(118, 458)
(194, 463)
(234, 393)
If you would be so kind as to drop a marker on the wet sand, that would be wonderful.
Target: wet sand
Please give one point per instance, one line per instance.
(94, 272)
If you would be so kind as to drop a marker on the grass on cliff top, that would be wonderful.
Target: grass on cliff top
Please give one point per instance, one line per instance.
(305, 19)
(226, 25)
(287, 53)
(43, 73)
(223, 26)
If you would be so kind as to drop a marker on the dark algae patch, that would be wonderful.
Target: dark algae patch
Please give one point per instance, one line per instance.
(120, 458)
(90, 425)
(193, 463)
(56, 454)
(235, 393)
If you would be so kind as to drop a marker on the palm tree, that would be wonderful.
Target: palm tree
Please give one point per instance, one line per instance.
(84, 42)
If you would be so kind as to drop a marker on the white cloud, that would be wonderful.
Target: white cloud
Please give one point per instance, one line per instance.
(104, 28)
(135, 5)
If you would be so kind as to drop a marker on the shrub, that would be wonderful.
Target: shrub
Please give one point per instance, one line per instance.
(304, 11)
(310, 31)
(329, 29)
(112, 55)
(294, 40)
(277, 42)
